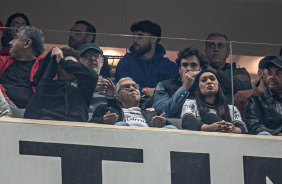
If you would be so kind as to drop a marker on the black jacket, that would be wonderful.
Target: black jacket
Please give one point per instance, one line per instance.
(264, 113)
(60, 100)
(225, 77)
(114, 107)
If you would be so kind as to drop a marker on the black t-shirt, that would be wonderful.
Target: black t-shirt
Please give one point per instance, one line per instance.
(16, 81)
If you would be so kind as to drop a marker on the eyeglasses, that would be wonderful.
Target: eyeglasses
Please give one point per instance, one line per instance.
(89, 54)
(127, 87)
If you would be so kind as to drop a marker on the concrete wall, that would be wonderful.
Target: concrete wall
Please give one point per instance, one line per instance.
(34, 151)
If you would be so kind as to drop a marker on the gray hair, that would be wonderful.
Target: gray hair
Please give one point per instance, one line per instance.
(118, 86)
(217, 35)
(36, 37)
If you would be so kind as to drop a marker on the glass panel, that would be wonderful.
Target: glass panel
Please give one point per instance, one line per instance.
(244, 56)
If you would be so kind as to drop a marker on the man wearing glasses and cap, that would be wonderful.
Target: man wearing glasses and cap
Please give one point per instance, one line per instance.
(92, 56)
(125, 109)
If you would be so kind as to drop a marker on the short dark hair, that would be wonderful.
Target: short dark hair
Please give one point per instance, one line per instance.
(192, 51)
(90, 28)
(264, 60)
(148, 27)
(68, 51)
(214, 35)
(8, 37)
(15, 15)
(36, 36)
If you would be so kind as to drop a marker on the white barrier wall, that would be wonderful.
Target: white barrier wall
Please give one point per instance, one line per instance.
(45, 152)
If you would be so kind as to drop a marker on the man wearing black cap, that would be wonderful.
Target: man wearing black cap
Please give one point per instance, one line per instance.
(92, 56)
(241, 97)
(264, 112)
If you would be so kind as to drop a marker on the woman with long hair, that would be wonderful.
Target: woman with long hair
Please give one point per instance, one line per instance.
(209, 110)
(14, 22)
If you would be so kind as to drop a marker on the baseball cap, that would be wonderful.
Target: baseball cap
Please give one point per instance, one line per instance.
(264, 60)
(87, 46)
(277, 61)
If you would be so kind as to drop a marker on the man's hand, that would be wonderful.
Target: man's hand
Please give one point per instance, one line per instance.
(159, 121)
(10, 101)
(105, 85)
(102, 85)
(58, 53)
(150, 92)
(110, 118)
(188, 79)
(242, 77)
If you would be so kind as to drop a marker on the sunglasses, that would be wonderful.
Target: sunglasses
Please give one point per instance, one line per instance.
(127, 87)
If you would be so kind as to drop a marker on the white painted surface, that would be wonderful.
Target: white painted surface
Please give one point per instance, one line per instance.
(226, 151)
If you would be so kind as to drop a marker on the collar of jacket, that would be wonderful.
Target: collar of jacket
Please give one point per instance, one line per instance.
(268, 94)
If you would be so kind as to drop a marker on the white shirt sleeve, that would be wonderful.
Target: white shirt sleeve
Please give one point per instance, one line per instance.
(236, 115)
(189, 107)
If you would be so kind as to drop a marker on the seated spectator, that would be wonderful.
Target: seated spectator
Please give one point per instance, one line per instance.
(263, 113)
(81, 33)
(171, 94)
(18, 69)
(14, 21)
(146, 63)
(125, 109)
(217, 51)
(92, 56)
(241, 97)
(65, 99)
(208, 111)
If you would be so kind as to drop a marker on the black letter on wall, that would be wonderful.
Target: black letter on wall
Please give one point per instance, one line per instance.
(190, 168)
(256, 169)
(80, 163)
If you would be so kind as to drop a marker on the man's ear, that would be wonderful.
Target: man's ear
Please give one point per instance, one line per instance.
(260, 72)
(154, 40)
(89, 38)
(28, 43)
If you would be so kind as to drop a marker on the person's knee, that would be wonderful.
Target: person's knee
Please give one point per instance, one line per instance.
(170, 127)
(121, 123)
(264, 133)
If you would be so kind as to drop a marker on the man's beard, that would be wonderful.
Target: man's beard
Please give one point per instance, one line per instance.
(76, 44)
(143, 50)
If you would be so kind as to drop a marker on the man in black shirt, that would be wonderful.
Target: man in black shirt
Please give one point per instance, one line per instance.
(18, 69)
(217, 51)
